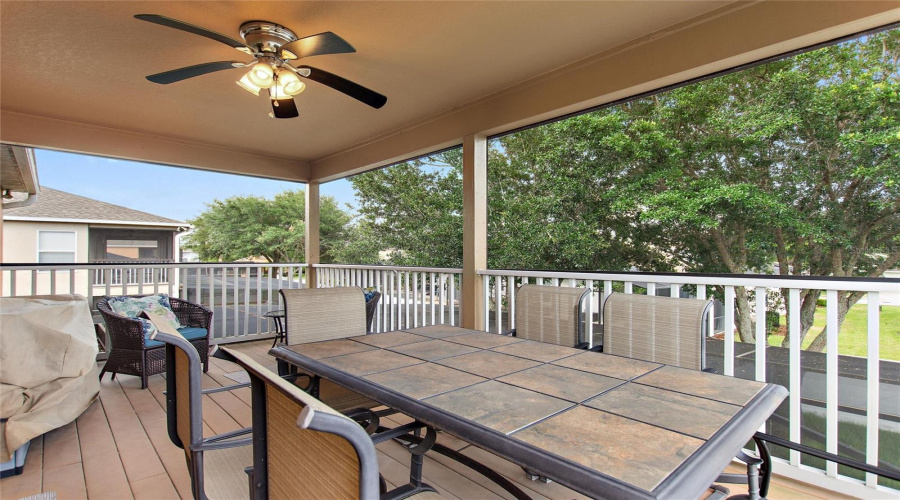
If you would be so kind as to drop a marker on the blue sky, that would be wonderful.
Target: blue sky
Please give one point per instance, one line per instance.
(176, 193)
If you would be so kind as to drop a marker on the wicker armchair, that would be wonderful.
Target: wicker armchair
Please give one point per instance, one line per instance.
(129, 352)
(371, 306)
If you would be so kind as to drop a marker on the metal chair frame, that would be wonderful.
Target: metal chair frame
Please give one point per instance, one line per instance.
(197, 445)
(326, 420)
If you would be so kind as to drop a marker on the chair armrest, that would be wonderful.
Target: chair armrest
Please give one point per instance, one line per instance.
(124, 332)
(191, 314)
(225, 388)
(225, 440)
(386, 435)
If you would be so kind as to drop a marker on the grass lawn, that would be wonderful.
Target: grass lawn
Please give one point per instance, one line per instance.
(852, 338)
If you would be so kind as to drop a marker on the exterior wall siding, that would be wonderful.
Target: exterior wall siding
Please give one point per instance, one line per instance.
(20, 246)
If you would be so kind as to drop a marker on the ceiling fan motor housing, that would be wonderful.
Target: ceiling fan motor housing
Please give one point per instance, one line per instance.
(265, 36)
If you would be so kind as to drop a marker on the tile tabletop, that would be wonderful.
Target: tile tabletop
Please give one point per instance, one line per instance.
(606, 442)
(605, 364)
(628, 419)
(484, 340)
(423, 380)
(690, 415)
(537, 351)
(390, 339)
(433, 349)
(501, 407)
(366, 362)
(565, 383)
(488, 363)
(439, 331)
(708, 385)
(329, 348)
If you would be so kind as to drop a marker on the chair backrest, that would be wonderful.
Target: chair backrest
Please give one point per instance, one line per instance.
(303, 448)
(660, 329)
(550, 314)
(316, 314)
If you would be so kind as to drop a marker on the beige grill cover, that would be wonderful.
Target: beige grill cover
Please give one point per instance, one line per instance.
(48, 365)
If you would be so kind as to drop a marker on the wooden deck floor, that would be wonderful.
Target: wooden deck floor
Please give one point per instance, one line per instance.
(119, 449)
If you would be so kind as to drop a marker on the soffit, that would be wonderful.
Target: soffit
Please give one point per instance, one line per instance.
(85, 62)
(17, 171)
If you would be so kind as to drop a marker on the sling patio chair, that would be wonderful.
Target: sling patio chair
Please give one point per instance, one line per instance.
(216, 464)
(550, 314)
(673, 331)
(318, 314)
(658, 329)
(553, 315)
(303, 448)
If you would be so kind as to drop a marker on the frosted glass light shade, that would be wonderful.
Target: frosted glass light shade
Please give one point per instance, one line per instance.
(291, 84)
(247, 85)
(261, 75)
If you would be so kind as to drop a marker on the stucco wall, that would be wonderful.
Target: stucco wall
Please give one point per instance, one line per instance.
(20, 247)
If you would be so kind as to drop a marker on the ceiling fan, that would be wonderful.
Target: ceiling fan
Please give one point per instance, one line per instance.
(272, 46)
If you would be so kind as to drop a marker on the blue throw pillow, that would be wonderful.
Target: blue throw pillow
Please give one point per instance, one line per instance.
(370, 295)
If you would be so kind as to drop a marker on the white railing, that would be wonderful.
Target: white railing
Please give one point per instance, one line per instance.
(836, 389)
(131, 276)
(410, 296)
(239, 294)
(840, 389)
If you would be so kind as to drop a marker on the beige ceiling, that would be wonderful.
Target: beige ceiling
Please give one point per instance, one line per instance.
(77, 69)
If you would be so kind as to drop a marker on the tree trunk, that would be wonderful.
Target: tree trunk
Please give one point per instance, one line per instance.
(744, 316)
(846, 300)
(807, 314)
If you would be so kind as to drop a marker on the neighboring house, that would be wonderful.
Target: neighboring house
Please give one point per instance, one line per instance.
(63, 228)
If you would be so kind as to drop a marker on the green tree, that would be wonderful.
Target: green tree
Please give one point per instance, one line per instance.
(796, 162)
(250, 226)
(414, 211)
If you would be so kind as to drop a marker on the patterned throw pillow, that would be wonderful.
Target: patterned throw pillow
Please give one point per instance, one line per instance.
(160, 320)
(132, 307)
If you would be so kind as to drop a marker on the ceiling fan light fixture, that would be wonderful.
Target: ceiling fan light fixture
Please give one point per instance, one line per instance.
(247, 85)
(290, 83)
(262, 75)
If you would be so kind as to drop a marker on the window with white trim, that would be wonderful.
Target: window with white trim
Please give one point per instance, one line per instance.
(57, 247)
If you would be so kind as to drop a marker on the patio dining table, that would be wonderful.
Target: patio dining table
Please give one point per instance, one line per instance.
(603, 425)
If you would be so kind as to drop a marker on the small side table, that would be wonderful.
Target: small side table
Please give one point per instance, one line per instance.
(278, 316)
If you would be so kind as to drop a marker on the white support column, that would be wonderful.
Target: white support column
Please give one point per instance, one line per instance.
(474, 230)
(312, 233)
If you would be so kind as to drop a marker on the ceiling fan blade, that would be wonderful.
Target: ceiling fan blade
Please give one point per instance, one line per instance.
(284, 108)
(340, 84)
(176, 75)
(316, 45)
(197, 30)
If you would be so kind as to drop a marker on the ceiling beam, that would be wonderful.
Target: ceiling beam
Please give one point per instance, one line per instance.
(47, 133)
(728, 37)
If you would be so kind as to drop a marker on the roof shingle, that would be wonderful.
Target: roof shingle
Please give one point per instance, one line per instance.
(55, 204)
